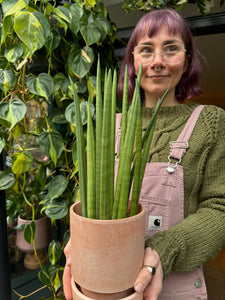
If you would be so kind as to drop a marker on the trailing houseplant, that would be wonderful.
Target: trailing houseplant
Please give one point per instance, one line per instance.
(42, 42)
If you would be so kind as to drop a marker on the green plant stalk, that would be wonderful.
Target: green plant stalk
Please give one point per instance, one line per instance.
(106, 139)
(137, 167)
(123, 132)
(147, 139)
(98, 136)
(126, 159)
(112, 144)
(155, 113)
(125, 115)
(80, 153)
(124, 108)
(91, 173)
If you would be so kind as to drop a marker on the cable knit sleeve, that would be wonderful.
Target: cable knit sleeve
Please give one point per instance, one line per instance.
(201, 234)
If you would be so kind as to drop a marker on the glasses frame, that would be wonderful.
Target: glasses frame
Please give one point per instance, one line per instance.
(155, 52)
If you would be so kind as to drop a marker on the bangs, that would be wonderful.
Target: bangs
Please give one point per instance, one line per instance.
(150, 25)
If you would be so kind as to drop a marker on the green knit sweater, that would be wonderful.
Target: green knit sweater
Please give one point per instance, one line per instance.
(201, 234)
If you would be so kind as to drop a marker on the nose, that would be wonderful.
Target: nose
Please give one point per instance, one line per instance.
(158, 58)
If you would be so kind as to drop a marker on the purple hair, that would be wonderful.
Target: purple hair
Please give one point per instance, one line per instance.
(150, 25)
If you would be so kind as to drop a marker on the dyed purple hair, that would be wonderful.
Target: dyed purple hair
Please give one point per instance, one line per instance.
(150, 25)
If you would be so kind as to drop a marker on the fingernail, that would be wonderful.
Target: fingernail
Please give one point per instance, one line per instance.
(139, 287)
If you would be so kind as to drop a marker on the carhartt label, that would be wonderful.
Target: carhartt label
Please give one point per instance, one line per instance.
(154, 222)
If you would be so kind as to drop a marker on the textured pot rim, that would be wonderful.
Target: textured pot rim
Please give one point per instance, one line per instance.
(124, 220)
(35, 220)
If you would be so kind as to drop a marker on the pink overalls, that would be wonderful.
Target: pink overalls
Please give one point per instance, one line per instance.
(162, 194)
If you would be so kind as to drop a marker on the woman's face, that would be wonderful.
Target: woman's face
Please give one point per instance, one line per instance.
(162, 70)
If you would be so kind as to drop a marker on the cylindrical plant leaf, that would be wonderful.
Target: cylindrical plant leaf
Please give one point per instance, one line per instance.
(98, 136)
(112, 145)
(82, 165)
(91, 173)
(126, 159)
(106, 139)
(124, 108)
(130, 113)
(137, 165)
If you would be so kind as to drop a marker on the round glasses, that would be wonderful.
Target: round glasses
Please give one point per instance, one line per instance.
(171, 54)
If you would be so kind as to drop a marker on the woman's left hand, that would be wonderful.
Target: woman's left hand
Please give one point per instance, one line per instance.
(146, 282)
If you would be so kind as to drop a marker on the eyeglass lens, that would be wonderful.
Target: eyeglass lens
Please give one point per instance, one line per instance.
(171, 54)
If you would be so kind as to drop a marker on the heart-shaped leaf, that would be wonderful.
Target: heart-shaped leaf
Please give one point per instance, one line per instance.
(76, 12)
(42, 85)
(12, 53)
(57, 208)
(64, 13)
(32, 28)
(21, 162)
(44, 276)
(6, 180)
(54, 252)
(70, 112)
(7, 80)
(89, 30)
(12, 111)
(80, 60)
(52, 144)
(57, 278)
(57, 186)
(52, 42)
(29, 232)
(12, 6)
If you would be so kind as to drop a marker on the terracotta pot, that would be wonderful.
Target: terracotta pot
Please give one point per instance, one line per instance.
(106, 255)
(42, 234)
(78, 295)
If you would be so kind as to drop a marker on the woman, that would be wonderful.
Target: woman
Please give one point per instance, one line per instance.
(183, 188)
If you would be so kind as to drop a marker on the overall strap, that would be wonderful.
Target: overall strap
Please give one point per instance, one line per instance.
(118, 120)
(179, 147)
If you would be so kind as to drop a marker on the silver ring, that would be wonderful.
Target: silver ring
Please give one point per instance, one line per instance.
(157, 69)
(152, 270)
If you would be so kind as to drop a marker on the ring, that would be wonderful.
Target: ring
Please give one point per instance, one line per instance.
(152, 270)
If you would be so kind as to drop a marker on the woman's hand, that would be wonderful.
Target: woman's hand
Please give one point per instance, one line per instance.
(67, 273)
(146, 282)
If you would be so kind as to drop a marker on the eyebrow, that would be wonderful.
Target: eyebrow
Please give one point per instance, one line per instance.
(167, 42)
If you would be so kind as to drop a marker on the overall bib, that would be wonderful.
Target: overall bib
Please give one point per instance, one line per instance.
(162, 194)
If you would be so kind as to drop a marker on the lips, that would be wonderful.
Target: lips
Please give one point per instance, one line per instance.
(157, 77)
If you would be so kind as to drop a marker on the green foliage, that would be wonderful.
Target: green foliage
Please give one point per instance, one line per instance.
(42, 45)
(98, 199)
(204, 6)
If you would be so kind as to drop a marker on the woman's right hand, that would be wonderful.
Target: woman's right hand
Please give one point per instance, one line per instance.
(67, 273)
(149, 284)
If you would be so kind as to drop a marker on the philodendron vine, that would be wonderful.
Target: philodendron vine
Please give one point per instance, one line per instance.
(99, 198)
(42, 43)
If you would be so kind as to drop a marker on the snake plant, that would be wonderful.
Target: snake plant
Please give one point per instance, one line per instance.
(103, 197)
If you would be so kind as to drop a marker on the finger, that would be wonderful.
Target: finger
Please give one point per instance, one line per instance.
(67, 273)
(67, 289)
(154, 289)
(143, 279)
(67, 249)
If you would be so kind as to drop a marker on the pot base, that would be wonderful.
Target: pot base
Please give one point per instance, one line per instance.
(31, 262)
(125, 295)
